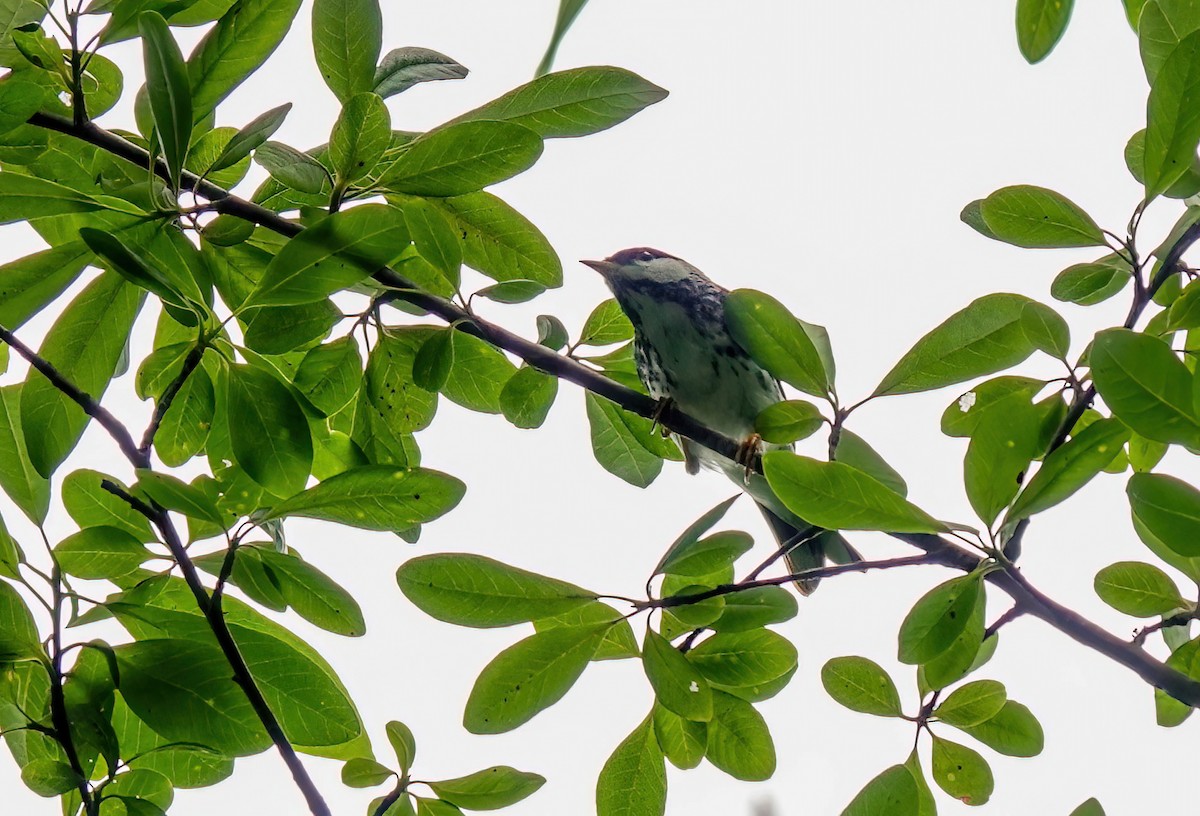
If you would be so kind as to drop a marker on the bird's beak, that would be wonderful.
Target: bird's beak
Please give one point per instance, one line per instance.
(605, 268)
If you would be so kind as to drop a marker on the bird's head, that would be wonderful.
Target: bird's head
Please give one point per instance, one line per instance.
(644, 268)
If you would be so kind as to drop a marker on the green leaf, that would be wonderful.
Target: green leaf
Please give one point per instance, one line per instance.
(90, 505)
(28, 284)
(1013, 732)
(527, 397)
(697, 558)
(338, 252)
(1036, 218)
(972, 704)
(11, 555)
(314, 595)
(577, 102)
(402, 68)
(292, 168)
(183, 690)
(251, 137)
(129, 265)
(861, 685)
(100, 552)
(1090, 283)
(500, 242)
(19, 100)
(682, 741)
(618, 644)
(1145, 385)
(530, 676)
(463, 158)
(1002, 446)
(489, 789)
(568, 10)
(19, 637)
(25, 198)
(235, 48)
(435, 358)
(1040, 25)
(49, 777)
(633, 782)
(985, 337)
(1168, 509)
(84, 345)
(347, 37)
(606, 325)
(1089, 808)
(1173, 117)
(169, 91)
(278, 330)
(1168, 711)
(471, 590)
(1138, 589)
(677, 684)
(938, 618)
(776, 340)
(1070, 467)
(1161, 26)
(892, 793)
(268, 431)
(360, 136)
(28, 489)
(330, 374)
(855, 451)
(435, 241)
(738, 740)
(961, 772)
(839, 497)
(753, 608)
(177, 495)
(1135, 160)
(968, 652)
(376, 497)
(478, 375)
(788, 421)
(1046, 329)
(361, 772)
(404, 744)
(744, 659)
(617, 446)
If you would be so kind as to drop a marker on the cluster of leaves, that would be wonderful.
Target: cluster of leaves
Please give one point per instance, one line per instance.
(254, 371)
(705, 689)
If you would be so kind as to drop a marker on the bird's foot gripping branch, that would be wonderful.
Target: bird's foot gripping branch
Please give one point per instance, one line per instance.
(258, 378)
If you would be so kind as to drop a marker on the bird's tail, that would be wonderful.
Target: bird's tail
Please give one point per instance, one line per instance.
(809, 548)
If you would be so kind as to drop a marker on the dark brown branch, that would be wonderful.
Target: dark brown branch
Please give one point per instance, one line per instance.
(90, 405)
(168, 396)
(944, 552)
(803, 575)
(229, 648)
(59, 717)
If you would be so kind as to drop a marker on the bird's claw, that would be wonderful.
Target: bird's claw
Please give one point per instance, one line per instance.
(747, 454)
(664, 404)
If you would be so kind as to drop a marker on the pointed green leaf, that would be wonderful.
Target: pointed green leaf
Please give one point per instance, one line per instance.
(1090, 283)
(463, 158)
(961, 772)
(1035, 217)
(1138, 589)
(788, 421)
(402, 68)
(100, 552)
(1168, 509)
(633, 782)
(403, 743)
(292, 168)
(893, 793)
(738, 740)
(169, 91)
(530, 676)
(1145, 385)
(361, 772)
(1002, 446)
(838, 497)
(753, 608)
(616, 445)
(1040, 25)
(1173, 117)
(1089, 808)
(677, 684)
(28, 284)
(470, 590)
(1012, 732)
(376, 497)
(500, 242)
(489, 789)
(1070, 467)
(330, 374)
(776, 340)
(268, 431)
(939, 617)
(250, 138)
(568, 10)
(347, 37)
(360, 136)
(607, 324)
(528, 396)
(743, 659)
(28, 489)
(973, 703)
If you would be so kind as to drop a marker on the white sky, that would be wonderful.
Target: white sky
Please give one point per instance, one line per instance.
(821, 152)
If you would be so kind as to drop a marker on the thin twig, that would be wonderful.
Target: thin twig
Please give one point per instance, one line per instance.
(190, 363)
(225, 640)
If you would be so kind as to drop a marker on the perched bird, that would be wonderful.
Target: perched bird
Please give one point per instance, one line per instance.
(685, 353)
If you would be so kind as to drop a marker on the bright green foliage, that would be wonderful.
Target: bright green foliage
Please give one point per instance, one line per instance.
(939, 617)
(1089, 808)
(633, 782)
(1138, 589)
(678, 685)
(776, 340)
(1035, 217)
(892, 792)
(347, 38)
(1172, 126)
(1013, 731)
(1040, 24)
(1145, 385)
(972, 704)
(961, 772)
(169, 91)
(738, 740)
(788, 421)
(463, 158)
(861, 685)
(488, 789)
(470, 590)
(271, 439)
(1167, 509)
(1070, 467)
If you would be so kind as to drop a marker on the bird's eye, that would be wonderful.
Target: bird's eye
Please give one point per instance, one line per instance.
(645, 256)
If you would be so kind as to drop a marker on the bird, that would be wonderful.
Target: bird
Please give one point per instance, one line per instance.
(685, 354)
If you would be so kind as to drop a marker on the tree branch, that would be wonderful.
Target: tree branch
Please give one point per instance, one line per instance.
(164, 403)
(89, 404)
(944, 552)
(225, 640)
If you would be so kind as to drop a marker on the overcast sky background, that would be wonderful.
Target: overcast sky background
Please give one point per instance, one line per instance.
(818, 151)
